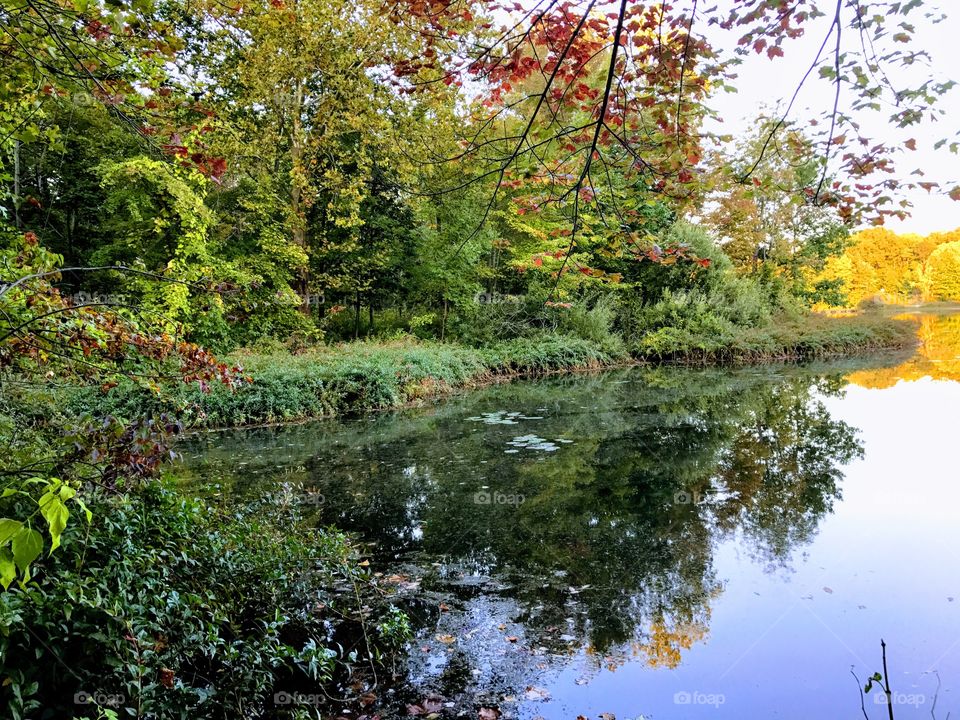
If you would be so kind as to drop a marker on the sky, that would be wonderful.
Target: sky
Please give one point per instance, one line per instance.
(763, 82)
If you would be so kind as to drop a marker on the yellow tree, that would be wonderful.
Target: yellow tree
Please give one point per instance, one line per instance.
(943, 272)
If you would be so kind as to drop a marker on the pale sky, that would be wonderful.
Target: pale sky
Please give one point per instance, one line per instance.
(764, 82)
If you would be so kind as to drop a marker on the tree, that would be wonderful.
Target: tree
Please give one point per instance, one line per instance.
(303, 113)
(943, 272)
(606, 83)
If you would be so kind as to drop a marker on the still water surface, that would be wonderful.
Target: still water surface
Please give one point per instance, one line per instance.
(657, 543)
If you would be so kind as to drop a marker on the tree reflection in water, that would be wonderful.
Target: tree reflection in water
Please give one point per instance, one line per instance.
(585, 522)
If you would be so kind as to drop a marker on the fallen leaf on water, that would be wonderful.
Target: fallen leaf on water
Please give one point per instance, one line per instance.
(512, 638)
(608, 716)
(428, 707)
(489, 714)
(368, 699)
(535, 693)
(827, 590)
(444, 607)
(433, 704)
(446, 639)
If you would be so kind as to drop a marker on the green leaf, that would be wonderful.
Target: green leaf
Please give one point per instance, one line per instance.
(56, 515)
(8, 528)
(8, 570)
(86, 510)
(27, 545)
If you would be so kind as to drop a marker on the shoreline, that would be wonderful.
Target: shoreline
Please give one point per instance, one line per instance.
(365, 377)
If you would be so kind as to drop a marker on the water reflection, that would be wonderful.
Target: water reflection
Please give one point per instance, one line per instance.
(566, 516)
(937, 356)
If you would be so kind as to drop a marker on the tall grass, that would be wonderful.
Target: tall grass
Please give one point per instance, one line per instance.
(344, 379)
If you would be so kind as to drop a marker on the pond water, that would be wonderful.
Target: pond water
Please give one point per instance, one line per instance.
(657, 543)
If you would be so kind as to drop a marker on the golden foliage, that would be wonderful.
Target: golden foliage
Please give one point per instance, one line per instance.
(937, 356)
(667, 643)
(943, 272)
(881, 264)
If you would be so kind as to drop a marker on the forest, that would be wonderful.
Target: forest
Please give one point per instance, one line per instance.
(226, 214)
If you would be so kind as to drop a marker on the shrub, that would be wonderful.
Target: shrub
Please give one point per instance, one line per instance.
(183, 612)
(553, 352)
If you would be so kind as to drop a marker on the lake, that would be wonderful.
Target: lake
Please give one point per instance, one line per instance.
(653, 542)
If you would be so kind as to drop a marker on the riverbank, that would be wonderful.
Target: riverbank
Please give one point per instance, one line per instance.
(364, 376)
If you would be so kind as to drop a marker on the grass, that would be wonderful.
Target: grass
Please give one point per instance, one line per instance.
(344, 379)
(364, 376)
(806, 337)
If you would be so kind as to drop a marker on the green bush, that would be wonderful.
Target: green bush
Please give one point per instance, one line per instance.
(175, 610)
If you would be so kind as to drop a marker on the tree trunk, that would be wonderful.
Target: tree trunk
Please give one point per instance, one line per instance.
(16, 184)
(356, 316)
(443, 322)
(370, 314)
(296, 199)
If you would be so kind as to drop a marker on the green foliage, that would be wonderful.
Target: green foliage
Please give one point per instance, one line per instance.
(712, 340)
(549, 353)
(351, 378)
(21, 544)
(147, 609)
